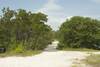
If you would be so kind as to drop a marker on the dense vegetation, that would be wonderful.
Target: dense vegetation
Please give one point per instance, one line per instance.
(79, 32)
(21, 30)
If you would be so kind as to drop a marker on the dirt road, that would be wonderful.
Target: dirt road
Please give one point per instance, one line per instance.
(49, 58)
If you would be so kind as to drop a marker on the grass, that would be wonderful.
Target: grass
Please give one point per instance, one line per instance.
(80, 49)
(93, 60)
(25, 53)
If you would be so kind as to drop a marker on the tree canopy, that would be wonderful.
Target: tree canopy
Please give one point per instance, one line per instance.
(80, 32)
(24, 30)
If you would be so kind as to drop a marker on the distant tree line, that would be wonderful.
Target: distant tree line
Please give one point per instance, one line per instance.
(22, 30)
(79, 32)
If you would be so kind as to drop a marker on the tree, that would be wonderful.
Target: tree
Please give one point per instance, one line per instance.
(80, 32)
(24, 30)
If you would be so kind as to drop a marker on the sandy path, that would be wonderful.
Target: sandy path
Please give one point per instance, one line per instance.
(45, 59)
(49, 58)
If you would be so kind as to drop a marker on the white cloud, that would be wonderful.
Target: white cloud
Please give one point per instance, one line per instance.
(55, 13)
(50, 6)
(96, 1)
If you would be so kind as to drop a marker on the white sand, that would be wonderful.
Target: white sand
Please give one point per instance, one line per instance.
(45, 59)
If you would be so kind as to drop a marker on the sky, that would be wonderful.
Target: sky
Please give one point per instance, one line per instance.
(57, 10)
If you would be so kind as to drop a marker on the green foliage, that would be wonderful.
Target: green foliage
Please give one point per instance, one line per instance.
(24, 53)
(79, 32)
(21, 30)
(19, 49)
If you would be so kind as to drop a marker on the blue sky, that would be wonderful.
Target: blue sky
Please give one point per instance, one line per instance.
(57, 10)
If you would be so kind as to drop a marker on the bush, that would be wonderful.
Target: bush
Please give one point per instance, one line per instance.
(19, 49)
